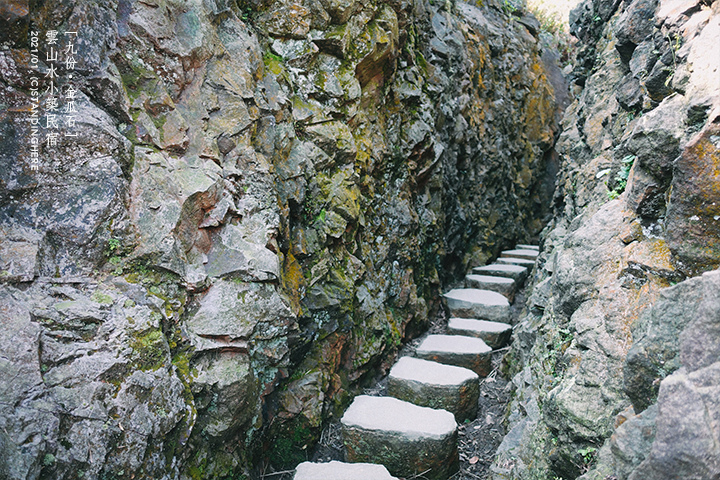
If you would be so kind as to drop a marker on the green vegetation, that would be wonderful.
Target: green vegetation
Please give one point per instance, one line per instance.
(621, 178)
(290, 446)
(588, 456)
(149, 349)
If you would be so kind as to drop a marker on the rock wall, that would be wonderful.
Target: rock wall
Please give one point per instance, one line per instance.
(261, 203)
(613, 361)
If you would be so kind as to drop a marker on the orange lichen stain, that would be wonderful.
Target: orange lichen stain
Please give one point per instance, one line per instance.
(652, 252)
(539, 105)
(293, 281)
(637, 301)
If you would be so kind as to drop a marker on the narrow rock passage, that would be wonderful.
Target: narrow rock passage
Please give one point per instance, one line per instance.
(406, 423)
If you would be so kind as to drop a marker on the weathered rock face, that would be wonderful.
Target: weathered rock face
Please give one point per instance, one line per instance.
(609, 359)
(252, 217)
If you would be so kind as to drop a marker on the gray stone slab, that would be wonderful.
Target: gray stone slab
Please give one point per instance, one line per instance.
(516, 272)
(495, 334)
(341, 471)
(408, 439)
(516, 261)
(477, 303)
(467, 352)
(523, 246)
(435, 385)
(519, 253)
(502, 285)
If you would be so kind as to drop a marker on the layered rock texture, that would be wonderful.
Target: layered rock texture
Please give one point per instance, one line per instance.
(614, 361)
(252, 215)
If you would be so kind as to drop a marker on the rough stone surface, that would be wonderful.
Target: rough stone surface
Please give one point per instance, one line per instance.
(516, 272)
(341, 471)
(476, 303)
(604, 326)
(495, 334)
(259, 203)
(435, 385)
(406, 438)
(503, 285)
(467, 352)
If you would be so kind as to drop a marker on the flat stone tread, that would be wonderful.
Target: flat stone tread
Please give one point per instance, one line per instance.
(429, 372)
(516, 261)
(478, 296)
(341, 471)
(490, 279)
(392, 415)
(523, 246)
(456, 344)
(500, 268)
(478, 325)
(525, 253)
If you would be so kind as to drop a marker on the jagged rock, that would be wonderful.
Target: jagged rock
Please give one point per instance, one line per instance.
(18, 253)
(341, 471)
(231, 313)
(503, 285)
(678, 330)
(632, 440)
(685, 427)
(516, 272)
(694, 205)
(475, 303)
(434, 385)
(467, 352)
(633, 26)
(630, 93)
(495, 334)
(229, 387)
(287, 19)
(406, 438)
(655, 143)
(302, 151)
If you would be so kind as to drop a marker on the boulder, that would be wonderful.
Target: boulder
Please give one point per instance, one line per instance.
(476, 303)
(467, 352)
(526, 254)
(434, 385)
(495, 334)
(516, 261)
(686, 428)
(341, 471)
(516, 272)
(502, 285)
(406, 438)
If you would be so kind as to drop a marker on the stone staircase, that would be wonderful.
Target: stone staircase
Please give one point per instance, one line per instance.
(413, 431)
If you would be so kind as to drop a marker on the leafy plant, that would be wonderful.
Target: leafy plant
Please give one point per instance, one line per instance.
(588, 456)
(621, 177)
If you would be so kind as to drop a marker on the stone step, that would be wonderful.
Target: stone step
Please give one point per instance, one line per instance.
(502, 285)
(524, 254)
(467, 352)
(516, 261)
(477, 303)
(341, 471)
(435, 385)
(516, 272)
(406, 438)
(495, 334)
(523, 246)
